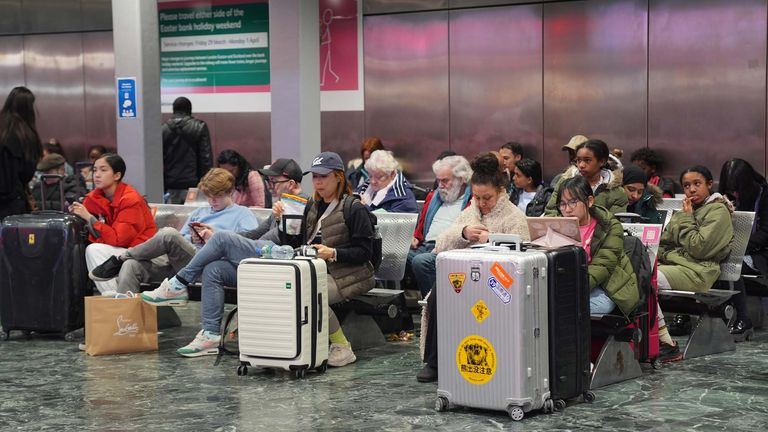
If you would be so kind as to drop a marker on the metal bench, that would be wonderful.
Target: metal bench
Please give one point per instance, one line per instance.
(670, 205)
(710, 335)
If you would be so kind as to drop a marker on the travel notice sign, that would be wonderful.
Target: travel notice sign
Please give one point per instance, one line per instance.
(214, 47)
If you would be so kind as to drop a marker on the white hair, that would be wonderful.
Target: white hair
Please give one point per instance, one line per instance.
(458, 164)
(382, 160)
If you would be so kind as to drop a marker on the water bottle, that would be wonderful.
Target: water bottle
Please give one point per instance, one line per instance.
(276, 252)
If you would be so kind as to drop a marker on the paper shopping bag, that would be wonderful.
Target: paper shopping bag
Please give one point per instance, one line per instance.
(119, 325)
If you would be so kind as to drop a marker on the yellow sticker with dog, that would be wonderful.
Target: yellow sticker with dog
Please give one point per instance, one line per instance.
(476, 359)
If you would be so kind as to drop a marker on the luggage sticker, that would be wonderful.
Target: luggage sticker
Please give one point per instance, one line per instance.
(475, 273)
(502, 275)
(31, 239)
(476, 359)
(457, 281)
(499, 290)
(480, 311)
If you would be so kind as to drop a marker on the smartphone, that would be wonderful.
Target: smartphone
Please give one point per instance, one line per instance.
(193, 228)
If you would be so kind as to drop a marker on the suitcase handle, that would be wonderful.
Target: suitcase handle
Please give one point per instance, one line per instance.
(59, 179)
(500, 239)
(319, 313)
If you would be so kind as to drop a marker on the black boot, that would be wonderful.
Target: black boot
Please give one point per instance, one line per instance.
(679, 325)
(427, 374)
(742, 330)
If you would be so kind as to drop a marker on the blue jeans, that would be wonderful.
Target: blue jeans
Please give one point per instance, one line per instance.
(422, 262)
(217, 260)
(599, 302)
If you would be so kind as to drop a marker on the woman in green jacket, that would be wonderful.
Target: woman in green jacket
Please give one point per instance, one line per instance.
(592, 164)
(693, 244)
(612, 280)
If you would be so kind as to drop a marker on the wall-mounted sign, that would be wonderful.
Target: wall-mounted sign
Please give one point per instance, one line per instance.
(126, 98)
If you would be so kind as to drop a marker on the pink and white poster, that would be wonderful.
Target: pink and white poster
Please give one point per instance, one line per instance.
(341, 55)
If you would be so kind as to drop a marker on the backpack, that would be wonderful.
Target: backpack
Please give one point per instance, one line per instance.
(377, 245)
(638, 255)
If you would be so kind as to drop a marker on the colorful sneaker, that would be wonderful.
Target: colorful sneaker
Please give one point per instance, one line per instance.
(166, 295)
(107, 270)
(340, 355)
(205, 343)
(669, 353)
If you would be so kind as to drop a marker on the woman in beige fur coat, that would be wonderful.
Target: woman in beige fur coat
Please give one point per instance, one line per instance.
(490, 212)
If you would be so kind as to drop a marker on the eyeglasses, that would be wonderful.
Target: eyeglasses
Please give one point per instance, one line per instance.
(275, 182)
(571, 204)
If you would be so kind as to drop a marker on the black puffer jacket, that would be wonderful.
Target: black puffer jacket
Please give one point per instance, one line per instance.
(74, 188)
(538, 204)
(187, 153)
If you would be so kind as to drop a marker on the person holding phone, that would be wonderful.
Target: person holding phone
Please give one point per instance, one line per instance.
(170, 250)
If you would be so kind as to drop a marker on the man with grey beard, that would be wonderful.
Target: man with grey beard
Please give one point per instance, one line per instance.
(441, 208)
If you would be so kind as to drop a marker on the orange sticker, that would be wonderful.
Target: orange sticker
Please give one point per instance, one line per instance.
(502, 275)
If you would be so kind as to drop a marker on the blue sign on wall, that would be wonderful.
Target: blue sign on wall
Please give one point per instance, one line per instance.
(126, 98)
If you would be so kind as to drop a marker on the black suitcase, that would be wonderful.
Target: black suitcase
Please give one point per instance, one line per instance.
(43, 277)
(569, 324)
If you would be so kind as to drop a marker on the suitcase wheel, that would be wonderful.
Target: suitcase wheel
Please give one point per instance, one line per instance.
(559, 405)
(441, 404)
(5, 335)
(69, 337)
(589, 396)
(656, 364)
(242, 370)
(300, 373)
(515, 413)
(549, 406)
(323, 367)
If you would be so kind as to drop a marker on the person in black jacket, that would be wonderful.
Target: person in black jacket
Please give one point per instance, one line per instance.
(187, 153)
(20, 150)
(529, 194)
(74, 185)
(748, 191)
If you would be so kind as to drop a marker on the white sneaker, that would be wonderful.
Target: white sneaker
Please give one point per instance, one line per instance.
(165, 295)
(204, 343)
(340, 355)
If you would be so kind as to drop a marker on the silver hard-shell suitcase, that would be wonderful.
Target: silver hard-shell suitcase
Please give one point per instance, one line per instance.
(493, 338)
(283, 314)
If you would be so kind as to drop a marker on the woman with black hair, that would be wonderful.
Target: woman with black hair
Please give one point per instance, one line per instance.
(693, 244)
(249, 184)
(749, 192)
(20, 150)
(490, 211)
(592, 163)
(117, 215)
(529, 194)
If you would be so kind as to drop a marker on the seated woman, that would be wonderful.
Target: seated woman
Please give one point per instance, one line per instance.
(642, 197)
(170, 250)
(490, 211)
(118, 217)
(749, 192)
(386, 188)
(529, 194)
(693, 244)
(358, 174)
(345, 244)
(592, 164)
(249, 185)
(612, 280)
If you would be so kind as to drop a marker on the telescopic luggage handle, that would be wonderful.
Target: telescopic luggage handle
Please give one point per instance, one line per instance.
(59, 181)
(512, 241)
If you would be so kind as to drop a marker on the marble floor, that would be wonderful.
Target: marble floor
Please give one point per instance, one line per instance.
(48, 385)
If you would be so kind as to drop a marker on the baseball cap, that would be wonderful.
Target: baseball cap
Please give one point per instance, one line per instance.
(284, 167)
(575, 141)
(326, 162)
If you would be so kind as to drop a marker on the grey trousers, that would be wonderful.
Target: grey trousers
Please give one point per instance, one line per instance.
(160, 257)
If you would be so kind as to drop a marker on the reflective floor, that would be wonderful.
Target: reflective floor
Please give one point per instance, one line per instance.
(48, 385)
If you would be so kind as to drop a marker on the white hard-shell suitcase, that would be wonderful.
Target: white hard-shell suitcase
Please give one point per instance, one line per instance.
(282, 314)
(493, 339)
